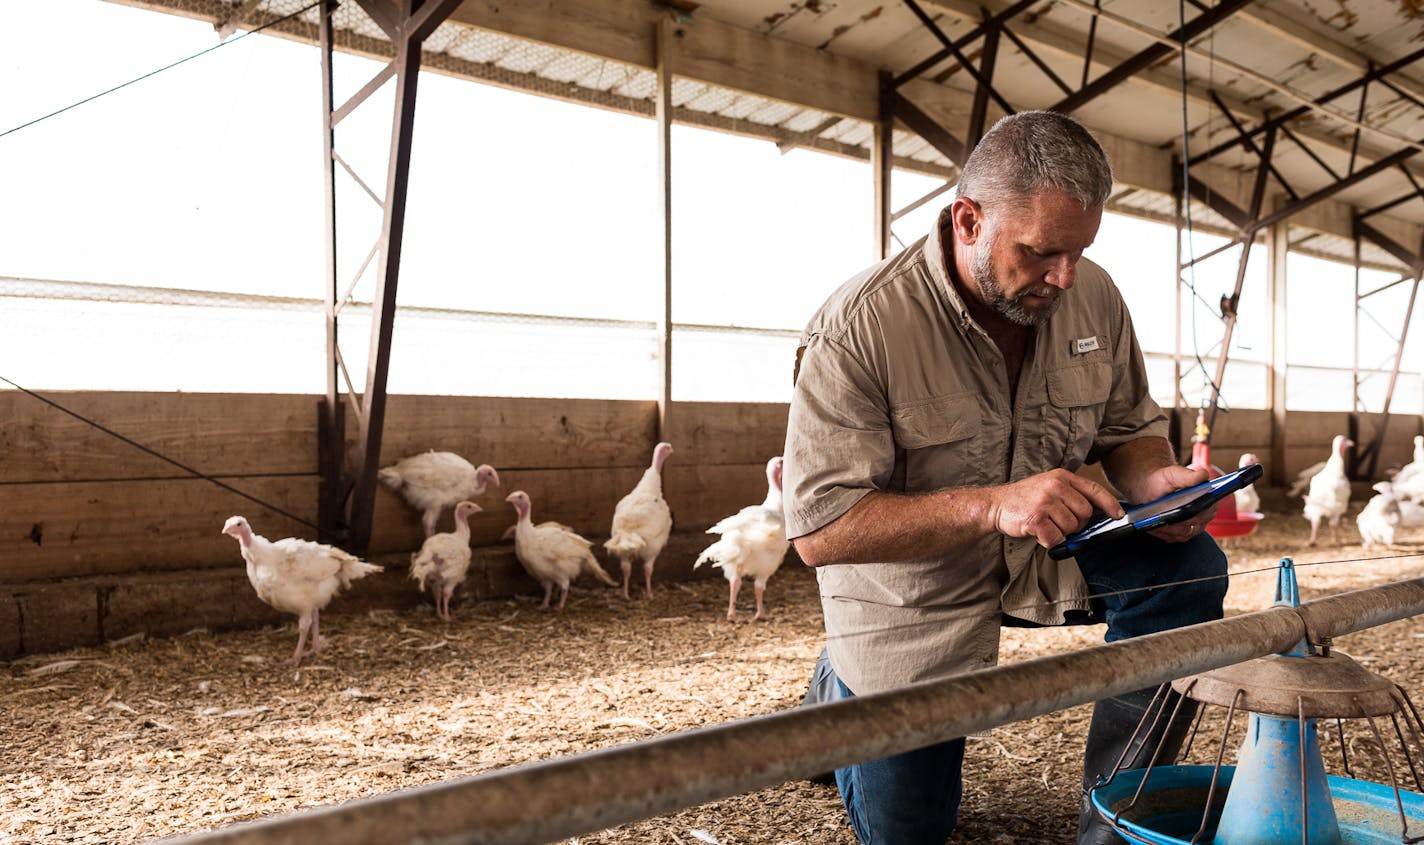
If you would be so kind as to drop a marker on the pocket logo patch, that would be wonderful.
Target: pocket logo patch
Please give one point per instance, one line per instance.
(1085, 344)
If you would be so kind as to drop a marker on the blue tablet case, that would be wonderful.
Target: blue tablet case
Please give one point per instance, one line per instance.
(1172, 508)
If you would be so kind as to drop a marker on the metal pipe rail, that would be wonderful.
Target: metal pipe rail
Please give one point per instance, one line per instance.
(582, 793)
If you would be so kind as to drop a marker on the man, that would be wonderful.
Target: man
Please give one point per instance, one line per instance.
(943, 400)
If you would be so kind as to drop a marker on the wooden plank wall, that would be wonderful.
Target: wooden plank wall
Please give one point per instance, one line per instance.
(99, 540)
(77, 502)
(1308, 437)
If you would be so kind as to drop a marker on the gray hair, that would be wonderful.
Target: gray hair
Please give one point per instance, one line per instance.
(1032, 151)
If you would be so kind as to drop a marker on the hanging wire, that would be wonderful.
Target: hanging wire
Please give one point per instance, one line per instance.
(190, 470)
(123, 85)
(977, 613)
(1215, 389)
(817, 640)
(162, 457)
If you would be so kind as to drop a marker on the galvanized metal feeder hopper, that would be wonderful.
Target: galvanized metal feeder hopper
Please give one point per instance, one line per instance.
(1278, 792)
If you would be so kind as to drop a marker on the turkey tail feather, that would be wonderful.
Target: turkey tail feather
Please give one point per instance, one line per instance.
(391, 479)
(591, 565)
(353, 568)
(711, 554)
(625, 545)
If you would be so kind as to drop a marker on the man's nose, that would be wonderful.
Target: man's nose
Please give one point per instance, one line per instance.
(1063, 273)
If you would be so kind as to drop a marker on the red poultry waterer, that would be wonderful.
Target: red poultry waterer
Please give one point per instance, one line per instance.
(1228, 522)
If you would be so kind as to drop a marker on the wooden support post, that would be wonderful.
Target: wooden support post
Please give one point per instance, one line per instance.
(665, 38)
(1278, 242)
(882, 154)
(1355, 404)
(331, 430)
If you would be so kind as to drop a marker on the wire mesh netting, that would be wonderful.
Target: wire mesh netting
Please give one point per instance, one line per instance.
(546, 340)
(200, 310)
(168, 339)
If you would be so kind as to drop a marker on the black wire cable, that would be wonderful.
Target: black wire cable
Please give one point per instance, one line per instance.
(1219, 401)
(190, 470)
(134, 443)
(121, 86)
(816, 639)
(974, 613)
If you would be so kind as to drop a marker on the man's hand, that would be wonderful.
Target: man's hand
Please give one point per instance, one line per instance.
(1170, 479)
(1048, 506)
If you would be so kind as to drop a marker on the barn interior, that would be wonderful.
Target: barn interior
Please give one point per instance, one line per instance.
(1281, 130)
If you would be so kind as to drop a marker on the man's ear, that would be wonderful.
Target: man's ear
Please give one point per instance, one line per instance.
(967, 218)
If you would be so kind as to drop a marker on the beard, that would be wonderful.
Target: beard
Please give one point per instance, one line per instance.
(1010, 309)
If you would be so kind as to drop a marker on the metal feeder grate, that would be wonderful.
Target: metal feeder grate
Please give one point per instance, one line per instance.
(1278, 792)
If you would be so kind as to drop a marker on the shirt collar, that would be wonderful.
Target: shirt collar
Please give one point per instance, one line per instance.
(939, 268)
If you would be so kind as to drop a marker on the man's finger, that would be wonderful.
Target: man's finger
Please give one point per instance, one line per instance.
(1043, 527)
(1097, 494)
(1049, 535)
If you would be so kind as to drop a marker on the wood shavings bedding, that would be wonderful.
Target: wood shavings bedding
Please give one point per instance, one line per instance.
(150, 737)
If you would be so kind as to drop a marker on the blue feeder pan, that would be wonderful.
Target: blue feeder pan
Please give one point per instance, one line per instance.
(1173, 808)
(1279, 793)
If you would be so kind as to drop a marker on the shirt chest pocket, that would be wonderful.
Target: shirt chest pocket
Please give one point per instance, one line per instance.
(939, 440)
(1076, 398)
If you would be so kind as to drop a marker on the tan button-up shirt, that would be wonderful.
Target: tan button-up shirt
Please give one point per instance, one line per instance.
(900, 390)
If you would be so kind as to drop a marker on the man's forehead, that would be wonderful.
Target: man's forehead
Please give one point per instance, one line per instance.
(1050, 218)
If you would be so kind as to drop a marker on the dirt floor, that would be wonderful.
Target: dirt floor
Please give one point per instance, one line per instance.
(150, 737)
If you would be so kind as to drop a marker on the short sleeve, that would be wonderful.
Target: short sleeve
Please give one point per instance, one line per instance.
(839, 444)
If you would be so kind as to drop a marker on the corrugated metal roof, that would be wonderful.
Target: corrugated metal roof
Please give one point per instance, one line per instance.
(1264, 59)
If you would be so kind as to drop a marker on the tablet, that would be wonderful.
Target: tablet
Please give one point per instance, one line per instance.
(1168, 510)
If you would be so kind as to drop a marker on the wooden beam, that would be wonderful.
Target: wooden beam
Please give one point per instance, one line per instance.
(882, 153)
(59, 516)
(1281, 25)
(621, 30)
(665, 35)
(1069, 43)
(1278, 244)
(926, 127)
(1389, 245)
(707, 50)
(234, 21)
(1148, 56)
(1203, 193)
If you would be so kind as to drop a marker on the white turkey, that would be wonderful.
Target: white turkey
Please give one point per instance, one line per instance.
(642, 522)
(444, 559)
(1411, 511)
(433, 481)
(296, 576)
(550, 553)
(1302, 480)
(1247, 500)
(1379, 518)
(1408, 486)
(1329, 493)
(753, 543)
(1411, 475)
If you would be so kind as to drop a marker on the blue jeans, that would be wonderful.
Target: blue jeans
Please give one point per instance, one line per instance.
(913, 798)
